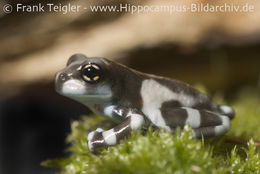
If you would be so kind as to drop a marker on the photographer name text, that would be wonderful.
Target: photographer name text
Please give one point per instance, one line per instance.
(48, 8)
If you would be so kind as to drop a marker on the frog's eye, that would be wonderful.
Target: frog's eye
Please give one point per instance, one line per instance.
(91, 73)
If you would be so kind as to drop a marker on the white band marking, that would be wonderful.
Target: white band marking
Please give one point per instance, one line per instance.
(136, 121)
(222, 129)
(109, 110)
(193, 117)
(226, 109)
(90, 137)
(109, 137)
(154, 95)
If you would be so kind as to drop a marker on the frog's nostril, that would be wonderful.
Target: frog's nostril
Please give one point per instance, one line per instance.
(63, 76)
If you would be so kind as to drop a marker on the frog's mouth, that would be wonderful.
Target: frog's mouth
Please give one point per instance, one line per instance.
(73, 87)
(77, 90)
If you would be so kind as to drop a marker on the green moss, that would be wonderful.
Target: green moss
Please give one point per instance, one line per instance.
(251, 164)
(161, 152)
(247, 121)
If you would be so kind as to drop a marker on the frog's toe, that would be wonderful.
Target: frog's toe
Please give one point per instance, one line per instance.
(95, 139)
(91, 135)
(100, 130)
(91, 147)
(90, 143)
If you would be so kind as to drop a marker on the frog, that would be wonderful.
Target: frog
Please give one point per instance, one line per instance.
(136, 101)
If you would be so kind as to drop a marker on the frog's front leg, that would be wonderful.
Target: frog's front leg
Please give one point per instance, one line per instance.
(131, 120)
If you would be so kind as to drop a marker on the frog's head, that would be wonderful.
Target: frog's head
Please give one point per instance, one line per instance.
(84, 78)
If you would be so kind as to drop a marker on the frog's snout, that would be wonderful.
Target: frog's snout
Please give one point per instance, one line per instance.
(60, 79)
(62, 76)
(67, 84)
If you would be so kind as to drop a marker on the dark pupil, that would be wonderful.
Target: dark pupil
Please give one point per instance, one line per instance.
(91, 72)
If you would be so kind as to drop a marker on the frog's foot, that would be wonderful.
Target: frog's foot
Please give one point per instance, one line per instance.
(100, 138)
(214, 130)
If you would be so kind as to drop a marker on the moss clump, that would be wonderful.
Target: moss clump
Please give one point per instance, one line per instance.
(161, 152)
(247, 121)
(251, 164)
(154, 152)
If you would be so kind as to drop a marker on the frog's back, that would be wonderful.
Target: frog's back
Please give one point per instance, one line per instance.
(174, 93)
(151, 93)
